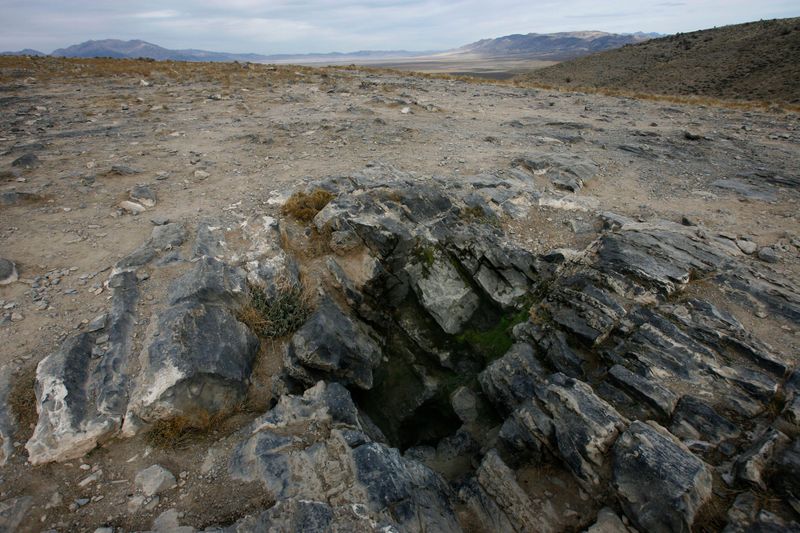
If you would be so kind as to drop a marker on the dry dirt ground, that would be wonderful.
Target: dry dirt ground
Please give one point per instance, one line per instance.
(214, 140)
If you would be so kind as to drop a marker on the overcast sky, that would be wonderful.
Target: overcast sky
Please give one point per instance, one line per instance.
(283, 26)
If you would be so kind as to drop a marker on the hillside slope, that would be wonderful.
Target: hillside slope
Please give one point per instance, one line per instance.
(551, 46)
(753, 61)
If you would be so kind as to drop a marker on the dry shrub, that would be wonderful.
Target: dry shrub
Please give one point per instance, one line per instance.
(304, 207)
(179, 431)
(272, 317)
(22, 402)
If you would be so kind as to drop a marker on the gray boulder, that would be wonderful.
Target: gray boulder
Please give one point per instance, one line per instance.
(210, 282)
(331, 344)
(198, 359)
(572, 422)
(154, 480)
(81, 397)
(659, 482)
(320, 439)
(512, 379)
(565, 171)
(443, 292)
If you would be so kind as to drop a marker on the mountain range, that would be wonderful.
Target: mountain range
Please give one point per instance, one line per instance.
(554, 47)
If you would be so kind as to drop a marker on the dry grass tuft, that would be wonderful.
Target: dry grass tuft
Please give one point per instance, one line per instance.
(22, 402)
(273, 317)
(304, 207)
(179, 431)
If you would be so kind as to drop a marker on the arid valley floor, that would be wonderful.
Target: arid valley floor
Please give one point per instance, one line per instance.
(95, 155)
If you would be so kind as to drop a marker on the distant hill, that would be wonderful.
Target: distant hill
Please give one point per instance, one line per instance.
(551, 46)
(547, 47)
(133, 49)
(753, 61)
(25, 52)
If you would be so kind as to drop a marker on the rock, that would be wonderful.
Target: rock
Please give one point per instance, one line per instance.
(199, 359)
(7, 422)
(159, 220)
(167, 235)
(26, 161)
(334, 345)
(339, 466)
(8, 272)
(144, 195)
(154, 480)
(748, 247)
(13, 511)
(768, 254)
(124, 170)
(659, 482)
(787, 469)
(9, 198)
(644, 389)
(465, 404)
(168, 522)
(575, 424)
(507, 502)
(210, 282)
(81, 398)
(750, 466)
(201, 174)
(511, 380)
(132, 207)
(691, 136)
(693, 419)
(566, 171)
(443, 292)
(97, 323)
(608, 522)
(303, 515)
(209, 240)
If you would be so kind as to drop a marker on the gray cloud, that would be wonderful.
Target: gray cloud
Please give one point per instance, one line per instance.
(282, 26)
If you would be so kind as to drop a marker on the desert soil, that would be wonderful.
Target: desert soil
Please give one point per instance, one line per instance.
(231, 146)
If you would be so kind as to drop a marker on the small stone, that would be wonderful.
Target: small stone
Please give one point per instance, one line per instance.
(691, 136)
(405, 110)
(124, 170)
(688, 221)
(26, 161)
(201, 174)
(768, 255)
(16, 317)
(162, 175)
(144, 195)
(132, 207)
(8, 271)
(97, 323)
(154, 480)
(748, 247)
(159, 221)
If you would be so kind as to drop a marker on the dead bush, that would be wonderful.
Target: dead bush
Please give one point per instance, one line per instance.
(278, 315)
(304, 207)
(179, 431)
(22, 402)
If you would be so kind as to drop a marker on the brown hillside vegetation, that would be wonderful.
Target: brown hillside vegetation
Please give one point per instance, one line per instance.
(754, 61)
